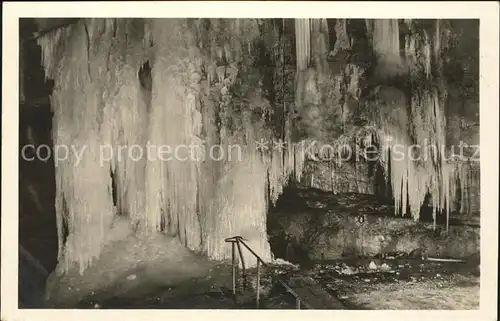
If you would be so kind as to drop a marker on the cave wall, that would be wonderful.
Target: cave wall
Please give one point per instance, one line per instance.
(380, 235)
(310, 225)
(37, 219)
(347, 177)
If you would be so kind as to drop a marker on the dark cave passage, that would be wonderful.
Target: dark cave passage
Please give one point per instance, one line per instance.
(304, 217)
(37, 218)
(310, 225)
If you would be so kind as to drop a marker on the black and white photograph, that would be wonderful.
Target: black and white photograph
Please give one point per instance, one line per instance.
(236, 163)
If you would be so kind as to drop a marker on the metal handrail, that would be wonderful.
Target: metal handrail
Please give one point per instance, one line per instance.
(236, 241)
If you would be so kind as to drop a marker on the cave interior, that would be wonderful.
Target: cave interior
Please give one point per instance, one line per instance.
(336, 86)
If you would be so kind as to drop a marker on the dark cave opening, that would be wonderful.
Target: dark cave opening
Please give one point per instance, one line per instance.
(145, 77)
(308, 225)
(37, 218)
(304, 217)
(114, 187)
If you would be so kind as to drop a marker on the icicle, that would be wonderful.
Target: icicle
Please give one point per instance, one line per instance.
(437, 40)
(234, 200)
(156, 175)
(427, 54)
(303, 43)
(343, 42)
(386, 46)
(277, 174)
(173, 194)
(109, 111)
(129, 164)
(241, 207)
(319, 44)
(49, 45)
(299, 159)
(369, 27)
(83, 185)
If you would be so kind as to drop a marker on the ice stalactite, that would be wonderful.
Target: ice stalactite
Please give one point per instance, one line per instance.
(369, 28)
(200, 201)
(423, 168)
(437, 41)
(128, 104)
(240, 207)
(327, 95)
(343, 42)
(428, 123)
(411, 130)
(464, 181)
(385, 42)
(415, 159)
(423, 46)
(223, 191)
(239, 204)
(107, 121)
(319, 44)
(303, 41)
(175, 124)
(409, 181)
(325, 91)
(82, 122)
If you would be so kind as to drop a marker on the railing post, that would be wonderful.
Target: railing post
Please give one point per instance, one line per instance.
(258, 282)
(240, 251)
(297, 301)
(233, 246)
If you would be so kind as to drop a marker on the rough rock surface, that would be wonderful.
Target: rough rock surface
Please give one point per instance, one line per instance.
(314, 225)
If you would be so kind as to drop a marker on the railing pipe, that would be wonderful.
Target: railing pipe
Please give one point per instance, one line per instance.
(240, 252)
(233, 245)
(239, 240)
(258, 283)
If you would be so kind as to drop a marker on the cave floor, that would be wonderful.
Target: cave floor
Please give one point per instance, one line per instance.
(359, 284)
(162, 274)
(400, 284)
(133, 270)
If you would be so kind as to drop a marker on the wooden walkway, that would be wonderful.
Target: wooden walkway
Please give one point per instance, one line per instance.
(307, 292)
(313, 296)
